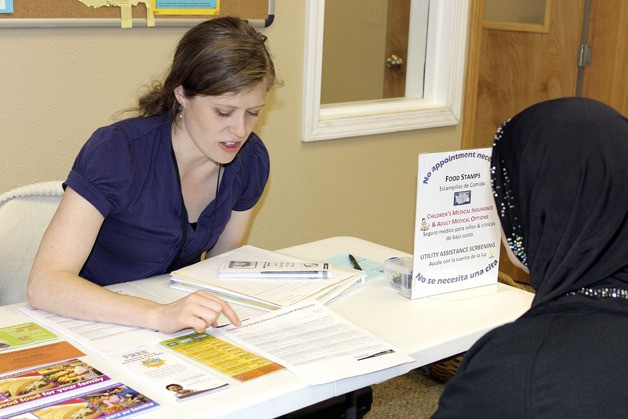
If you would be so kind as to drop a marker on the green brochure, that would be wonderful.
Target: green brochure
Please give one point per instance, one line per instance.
(23, 334)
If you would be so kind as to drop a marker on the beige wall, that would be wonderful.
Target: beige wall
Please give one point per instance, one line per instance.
(58, 85)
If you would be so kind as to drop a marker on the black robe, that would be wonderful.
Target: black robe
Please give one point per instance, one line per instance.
(560, 181)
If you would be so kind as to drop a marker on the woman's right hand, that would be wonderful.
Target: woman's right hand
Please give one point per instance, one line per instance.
(54, 284)
(198, 311)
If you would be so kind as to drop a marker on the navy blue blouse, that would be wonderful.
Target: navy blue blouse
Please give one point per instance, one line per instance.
(127, 171)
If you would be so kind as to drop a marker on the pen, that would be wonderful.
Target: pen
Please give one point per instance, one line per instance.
(386, 352)
(229, 324)
(355, 263)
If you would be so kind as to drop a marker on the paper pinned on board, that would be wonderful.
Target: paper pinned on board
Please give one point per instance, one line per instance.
(6, 6)
(126, 10)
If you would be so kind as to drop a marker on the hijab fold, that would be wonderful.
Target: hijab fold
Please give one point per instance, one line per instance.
(560, 181)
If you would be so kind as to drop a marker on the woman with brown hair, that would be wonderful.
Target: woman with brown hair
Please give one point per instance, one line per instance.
(152, 193)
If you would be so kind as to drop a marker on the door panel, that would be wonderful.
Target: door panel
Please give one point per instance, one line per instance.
(508, 71)
(517, 69)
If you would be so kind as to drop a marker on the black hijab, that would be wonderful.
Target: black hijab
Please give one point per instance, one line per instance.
(560, 181)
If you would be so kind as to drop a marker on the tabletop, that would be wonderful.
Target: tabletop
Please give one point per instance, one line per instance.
(428, 329)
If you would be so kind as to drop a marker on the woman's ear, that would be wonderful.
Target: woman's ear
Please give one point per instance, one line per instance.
(179, 94)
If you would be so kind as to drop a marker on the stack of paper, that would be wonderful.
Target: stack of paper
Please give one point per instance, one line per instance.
(266, 294)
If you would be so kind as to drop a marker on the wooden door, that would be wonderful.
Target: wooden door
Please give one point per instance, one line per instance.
(519, 69)
(515, 69)
(508, 71)
(397, 28)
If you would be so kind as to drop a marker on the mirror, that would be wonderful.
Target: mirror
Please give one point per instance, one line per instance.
(433, 80)
(369, 38)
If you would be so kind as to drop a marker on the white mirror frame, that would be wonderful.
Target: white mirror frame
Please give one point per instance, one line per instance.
(441, 104)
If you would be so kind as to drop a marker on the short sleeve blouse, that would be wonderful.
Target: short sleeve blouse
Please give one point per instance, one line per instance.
(128, 172)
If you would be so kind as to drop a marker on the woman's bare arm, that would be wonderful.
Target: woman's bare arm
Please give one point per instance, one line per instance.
(54, 284)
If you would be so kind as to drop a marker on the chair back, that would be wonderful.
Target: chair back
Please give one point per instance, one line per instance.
(25, 213)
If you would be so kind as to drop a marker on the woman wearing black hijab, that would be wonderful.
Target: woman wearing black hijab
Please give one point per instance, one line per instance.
(560, 181)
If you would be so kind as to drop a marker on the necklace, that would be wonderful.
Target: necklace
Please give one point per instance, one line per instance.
(176, 263)
(601, 292)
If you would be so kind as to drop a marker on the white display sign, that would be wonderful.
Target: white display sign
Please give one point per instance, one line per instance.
(457, 232)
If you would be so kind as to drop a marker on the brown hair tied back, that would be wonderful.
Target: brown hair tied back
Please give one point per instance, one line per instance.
(217, 56)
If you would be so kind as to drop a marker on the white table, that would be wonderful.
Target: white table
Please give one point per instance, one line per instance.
(428, 329)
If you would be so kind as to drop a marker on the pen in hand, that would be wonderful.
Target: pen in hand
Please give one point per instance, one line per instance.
(355, 263)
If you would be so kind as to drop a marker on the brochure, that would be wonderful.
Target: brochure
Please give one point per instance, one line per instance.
(23, 334)
(222, 356)
(38, 355)
(172, 376)
(106, 403)
(30, 388)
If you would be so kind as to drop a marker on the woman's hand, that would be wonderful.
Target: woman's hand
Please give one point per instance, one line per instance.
(197, 311)
(54, 284)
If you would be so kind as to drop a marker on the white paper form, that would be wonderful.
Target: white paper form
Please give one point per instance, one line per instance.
(315, 343)
(105, 338)
(268, 293)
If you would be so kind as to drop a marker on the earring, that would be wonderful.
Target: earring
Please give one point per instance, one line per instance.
(181, 109)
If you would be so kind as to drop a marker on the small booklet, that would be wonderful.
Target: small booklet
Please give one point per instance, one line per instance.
(23, 334)
(274, 269)
(170, 374)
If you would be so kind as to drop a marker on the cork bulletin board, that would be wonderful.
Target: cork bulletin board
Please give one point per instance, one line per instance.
(73, 13)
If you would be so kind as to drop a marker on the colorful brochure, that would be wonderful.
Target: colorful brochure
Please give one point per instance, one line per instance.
(27, 389)
(38, 355)
(106, 403)
(225, 357)
(173, 377)
(23, 334)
